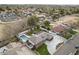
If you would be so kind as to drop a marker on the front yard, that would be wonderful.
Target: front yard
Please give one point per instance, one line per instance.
(69, 34)
(42, 50)
(72, 32)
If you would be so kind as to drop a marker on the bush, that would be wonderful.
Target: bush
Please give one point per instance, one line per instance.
(72, 32)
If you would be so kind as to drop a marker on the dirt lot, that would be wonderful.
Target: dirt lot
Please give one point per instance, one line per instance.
(10, 29)
(67, 19)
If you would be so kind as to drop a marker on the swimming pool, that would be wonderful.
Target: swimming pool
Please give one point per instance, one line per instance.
(23, 38)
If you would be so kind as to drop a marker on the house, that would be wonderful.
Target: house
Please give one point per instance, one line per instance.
(60, 28)
(41, 17)
(36, 40)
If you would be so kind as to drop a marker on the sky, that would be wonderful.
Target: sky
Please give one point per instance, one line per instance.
(57, 2)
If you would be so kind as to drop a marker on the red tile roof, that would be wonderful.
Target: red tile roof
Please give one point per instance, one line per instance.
(59, 28)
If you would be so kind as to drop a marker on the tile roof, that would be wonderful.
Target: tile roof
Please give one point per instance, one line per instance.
(40, 37)
(59, 28)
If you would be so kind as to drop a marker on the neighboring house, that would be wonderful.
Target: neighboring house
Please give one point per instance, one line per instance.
(49, 18)
(29, 13)
(41, 17)
(36, 40)
(60, 28)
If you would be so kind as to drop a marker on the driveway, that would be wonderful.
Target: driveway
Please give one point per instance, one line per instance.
(51, 45)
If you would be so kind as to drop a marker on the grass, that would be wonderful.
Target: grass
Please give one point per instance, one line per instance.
(42, 50)
(72, 32)
(69, 34)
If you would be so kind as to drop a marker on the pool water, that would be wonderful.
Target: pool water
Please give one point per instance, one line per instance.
(23, 38)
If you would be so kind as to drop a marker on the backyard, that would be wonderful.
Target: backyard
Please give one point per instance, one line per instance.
(34, 31)
(42, 50)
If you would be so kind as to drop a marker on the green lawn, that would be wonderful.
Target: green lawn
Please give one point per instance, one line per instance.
(72, 32)
(69, 34)
(42, 50)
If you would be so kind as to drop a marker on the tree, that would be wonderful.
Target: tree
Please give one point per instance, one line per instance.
(1, 9)
(32, 22)
(62, 12)
(55, 16)
(47, 24)
(8, 8)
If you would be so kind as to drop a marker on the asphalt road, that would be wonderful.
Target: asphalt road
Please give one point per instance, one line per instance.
(68, 47)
